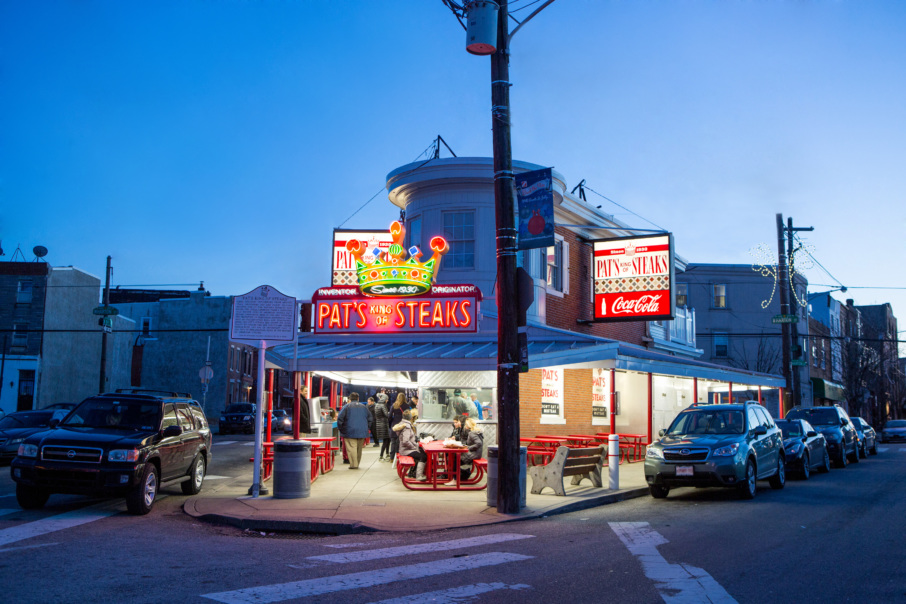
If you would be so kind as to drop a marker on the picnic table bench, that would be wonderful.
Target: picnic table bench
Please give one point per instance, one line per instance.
(578, 463)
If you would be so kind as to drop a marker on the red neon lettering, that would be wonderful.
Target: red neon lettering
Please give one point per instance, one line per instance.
(465, 305)
(360, 310)
(323, 312)
(437, 317)
(400, 317)
(412, 312)
(423, 313)
(334, 316)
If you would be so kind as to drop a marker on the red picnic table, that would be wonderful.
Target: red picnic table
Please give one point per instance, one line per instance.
(584, 440)
(442, 467)
(544, 447)
(630, 445)
(322, 452)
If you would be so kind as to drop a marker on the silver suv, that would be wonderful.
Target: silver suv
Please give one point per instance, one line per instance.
(730, 445)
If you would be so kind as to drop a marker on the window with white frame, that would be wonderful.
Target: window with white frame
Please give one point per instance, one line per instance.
(24, 291)
(20, 335)
(459, 231)
(554, 261)
(719, 295)
(146, 328)
(682, 294)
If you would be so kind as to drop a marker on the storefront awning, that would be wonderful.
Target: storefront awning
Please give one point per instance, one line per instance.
(832, 391)
(547, 347)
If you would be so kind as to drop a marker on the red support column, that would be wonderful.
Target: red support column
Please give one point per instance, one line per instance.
(730, 394)
(759, 395)
(270, 402)
(695, 390)
(780, 405)
(613, 400)
(650, 403)
(297, 402)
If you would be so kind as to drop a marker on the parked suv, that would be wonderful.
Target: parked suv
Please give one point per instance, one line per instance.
(119, 444)
(238, 417)
(729, 445)
(838, 430)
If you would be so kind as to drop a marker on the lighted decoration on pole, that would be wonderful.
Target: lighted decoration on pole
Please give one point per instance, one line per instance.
(766, 266)
(391, 273)
(806, 263)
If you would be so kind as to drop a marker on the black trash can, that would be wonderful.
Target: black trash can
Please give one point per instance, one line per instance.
(493, 458)
(292, 469)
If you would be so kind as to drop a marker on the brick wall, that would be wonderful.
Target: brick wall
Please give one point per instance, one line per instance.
(562, 312)
(577, 401)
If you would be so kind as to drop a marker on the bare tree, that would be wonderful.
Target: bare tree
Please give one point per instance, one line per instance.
(767, 357)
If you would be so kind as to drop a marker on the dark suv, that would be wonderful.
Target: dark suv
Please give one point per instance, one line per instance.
(838, 431)
(238, 417)
(730, 445)
(120, 444)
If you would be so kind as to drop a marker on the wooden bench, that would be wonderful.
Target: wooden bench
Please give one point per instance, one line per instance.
(575, 462)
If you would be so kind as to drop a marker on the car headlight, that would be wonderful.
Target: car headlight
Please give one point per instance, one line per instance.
(794, 448)
(654, 453)
(246, 418)
(16, 441)
(222, 418)
(123, 455)
(833, 438)
(727, 451)
(26, 450)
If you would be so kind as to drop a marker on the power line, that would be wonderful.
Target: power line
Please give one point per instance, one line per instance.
(624, 207)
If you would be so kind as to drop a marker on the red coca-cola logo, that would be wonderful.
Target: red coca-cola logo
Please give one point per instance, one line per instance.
(646, 304)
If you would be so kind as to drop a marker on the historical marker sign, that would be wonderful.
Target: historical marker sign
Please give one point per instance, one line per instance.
(263, 314)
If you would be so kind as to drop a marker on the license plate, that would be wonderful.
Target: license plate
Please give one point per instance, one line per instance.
(684, 470)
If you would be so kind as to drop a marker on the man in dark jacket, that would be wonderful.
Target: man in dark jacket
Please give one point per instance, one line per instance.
(353, 426)
(304, 413)
(371, 422)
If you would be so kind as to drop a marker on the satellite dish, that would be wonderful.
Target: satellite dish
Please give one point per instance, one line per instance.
(40, 251)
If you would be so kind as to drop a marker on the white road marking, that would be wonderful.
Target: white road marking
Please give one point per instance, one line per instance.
(454, 595)
(369, 578)
(422, 548)
(15, 549)
(251, 443)
(215, 477)
(225, 442)
(52, 524)
(5, 512)
(882, 449)
(677, 583)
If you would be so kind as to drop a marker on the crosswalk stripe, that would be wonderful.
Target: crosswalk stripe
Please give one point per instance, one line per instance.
(225, 442)
(882, 449)
(52, 524)
(409, 550)
(454, 595)
(675, 582)
(369, 578)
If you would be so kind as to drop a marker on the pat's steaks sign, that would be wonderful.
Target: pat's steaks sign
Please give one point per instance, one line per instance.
(633, 278)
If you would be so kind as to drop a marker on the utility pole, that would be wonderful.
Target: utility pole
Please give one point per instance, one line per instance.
(103, 382)
(784, 282)
(793, 299)
(508, 496)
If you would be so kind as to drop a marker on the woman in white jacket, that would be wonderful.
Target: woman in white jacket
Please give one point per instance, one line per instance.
(409, 445)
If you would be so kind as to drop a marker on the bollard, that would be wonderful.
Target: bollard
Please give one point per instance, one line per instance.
(292, 469)
(613, 462)
(493, 458)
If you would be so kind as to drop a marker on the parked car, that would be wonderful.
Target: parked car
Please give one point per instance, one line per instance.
(238, 417)
(62, 406)
(805, 447)
(868, 438)
(16, 427)
(729, 445)
(119, 445)
(838, 430)
(894, 430)
(281, 420)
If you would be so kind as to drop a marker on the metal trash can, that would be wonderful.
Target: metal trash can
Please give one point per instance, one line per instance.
(292, 469)
(493, 457)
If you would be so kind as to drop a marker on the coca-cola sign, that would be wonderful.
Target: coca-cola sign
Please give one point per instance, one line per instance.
(633, 278)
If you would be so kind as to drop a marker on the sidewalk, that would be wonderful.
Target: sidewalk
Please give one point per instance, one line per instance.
(372, 498)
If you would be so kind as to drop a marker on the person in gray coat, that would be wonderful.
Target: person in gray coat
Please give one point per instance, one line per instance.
(382, 427)
(474, 439)
(353, 425)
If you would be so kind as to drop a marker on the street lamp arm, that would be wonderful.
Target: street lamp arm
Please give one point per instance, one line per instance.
(529, 18)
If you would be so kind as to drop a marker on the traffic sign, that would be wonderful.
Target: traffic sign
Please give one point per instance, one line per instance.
(106, 310)
(205, 374)
(799, 363)
(784, 319)
(107, 322)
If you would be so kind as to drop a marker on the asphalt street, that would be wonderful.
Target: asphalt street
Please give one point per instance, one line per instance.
(834, 538)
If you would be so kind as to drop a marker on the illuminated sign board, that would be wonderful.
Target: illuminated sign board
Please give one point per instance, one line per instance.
(633, 278)
(447, 309)
(343, 262)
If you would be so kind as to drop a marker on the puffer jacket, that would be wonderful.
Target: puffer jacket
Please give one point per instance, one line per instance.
(408, 440)
(474, 439)
(381, 421)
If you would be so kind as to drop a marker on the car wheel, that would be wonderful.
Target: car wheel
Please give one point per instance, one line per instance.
(863, 451)
(806, 466)
(31, 498)
(842, 460)
(778, 480)
(747, 487)
(192, 486)
(141, 499)
(874, 448)
(855, 454)
(657, 491)
(826, 465)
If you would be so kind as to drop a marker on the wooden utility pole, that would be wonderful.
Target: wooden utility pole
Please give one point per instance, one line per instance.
(102, 387)
(783, 284)
(508, 495)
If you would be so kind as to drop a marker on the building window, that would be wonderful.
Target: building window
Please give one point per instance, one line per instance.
(721, 345)
(20, 335)
(459, 231)
(415, 235)
(555, 260)
(146, 327)
(719, 296)
(682, 294)
(24, 292)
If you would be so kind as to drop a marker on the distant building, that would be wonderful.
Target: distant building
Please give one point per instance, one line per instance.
(827, 348)
(880, 335)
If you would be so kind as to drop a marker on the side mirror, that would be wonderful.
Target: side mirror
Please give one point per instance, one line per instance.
(810, 434)
(760, 430)
(171, 431)
(54, 423)
(661, 432)
(843, 422)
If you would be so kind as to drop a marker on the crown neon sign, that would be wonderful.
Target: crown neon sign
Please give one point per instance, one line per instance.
(392, 273)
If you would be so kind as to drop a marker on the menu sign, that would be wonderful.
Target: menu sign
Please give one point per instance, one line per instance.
(552, 392)
(343, 266)
(633, 278)
(600, 397)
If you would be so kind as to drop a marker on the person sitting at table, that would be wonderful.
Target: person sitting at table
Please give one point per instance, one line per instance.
(400, 406)
(474, 440)
(457, 429)
(408, 445)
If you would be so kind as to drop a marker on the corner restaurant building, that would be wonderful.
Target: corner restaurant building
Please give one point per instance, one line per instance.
(629, 377)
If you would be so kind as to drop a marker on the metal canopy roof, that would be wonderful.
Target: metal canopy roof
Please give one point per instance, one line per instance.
(547, 347)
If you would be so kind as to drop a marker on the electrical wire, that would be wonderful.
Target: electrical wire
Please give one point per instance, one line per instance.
(523, 7)
(587, 188)
(812, 256)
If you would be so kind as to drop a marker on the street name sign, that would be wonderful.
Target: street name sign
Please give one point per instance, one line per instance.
(777, 319)
(106, 310)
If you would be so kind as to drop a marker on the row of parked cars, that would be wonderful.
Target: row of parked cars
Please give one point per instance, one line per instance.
(123, 444)
(735, 445)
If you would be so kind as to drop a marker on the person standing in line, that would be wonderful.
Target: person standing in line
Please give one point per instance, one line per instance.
(382, 427)
(353, 425)
(400, 406)
(371, 421)
(460, 406)
(477, 404)
(304, 412)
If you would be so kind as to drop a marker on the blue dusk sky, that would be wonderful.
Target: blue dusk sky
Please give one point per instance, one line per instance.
(223, 140)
